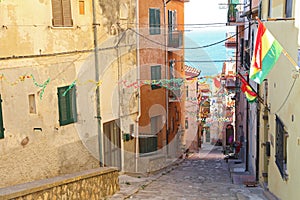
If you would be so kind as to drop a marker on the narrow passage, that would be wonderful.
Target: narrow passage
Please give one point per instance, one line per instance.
(201, 176)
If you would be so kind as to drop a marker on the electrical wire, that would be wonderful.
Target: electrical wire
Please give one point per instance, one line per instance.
(288, 95)
(192, 48)
(111, 47)
(205, 61)
(202, 25)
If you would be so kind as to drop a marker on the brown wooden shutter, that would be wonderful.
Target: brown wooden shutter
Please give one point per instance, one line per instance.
(57, 19)
(67, 14)
(81, 8)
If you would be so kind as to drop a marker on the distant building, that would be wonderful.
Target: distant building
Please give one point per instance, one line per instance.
(205, 125)
(192, 133)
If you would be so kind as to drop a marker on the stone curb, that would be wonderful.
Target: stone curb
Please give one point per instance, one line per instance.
(126, 193)
(266, 193)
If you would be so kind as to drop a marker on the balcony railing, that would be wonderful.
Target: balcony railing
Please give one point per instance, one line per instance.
(230, 84)
(175, 39)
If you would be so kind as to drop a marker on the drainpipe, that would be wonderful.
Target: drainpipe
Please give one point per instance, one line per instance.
(138, 71)
(98, 112)
(257, 141)
(247, 118)
(247, 136)
(166, 74)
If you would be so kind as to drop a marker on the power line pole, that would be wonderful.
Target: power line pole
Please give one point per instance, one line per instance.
(98, 110)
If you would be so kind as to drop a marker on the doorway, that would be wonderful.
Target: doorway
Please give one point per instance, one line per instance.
(112, 144)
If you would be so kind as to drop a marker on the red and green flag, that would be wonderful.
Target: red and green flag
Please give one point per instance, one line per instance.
(266, 53)
(250, 94)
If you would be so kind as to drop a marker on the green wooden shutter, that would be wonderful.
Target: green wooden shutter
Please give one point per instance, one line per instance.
(73, 108)
(152, 21)
(157, 21)
(1, 121)
(67, 105)
(57, 13)
(170, 14)
(67, 13)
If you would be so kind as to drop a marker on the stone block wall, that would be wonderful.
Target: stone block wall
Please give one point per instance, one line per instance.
(92, 184)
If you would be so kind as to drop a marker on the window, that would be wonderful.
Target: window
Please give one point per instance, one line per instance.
(124, 11)
(187, 91)
(270, 8)
(61, 12)
(32, 105)
(186, 123)
(156, 124)
(155, 76)
(172, 124)
(172, 72)
(131, 129)
(148, 144)
(67, 105)
(81, 7)
(281, 148)
(298, 57)
(288, 8)
(172, 20)
(1, 121)
(154, 21)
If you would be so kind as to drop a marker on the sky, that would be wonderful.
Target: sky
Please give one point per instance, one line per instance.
(204, 11)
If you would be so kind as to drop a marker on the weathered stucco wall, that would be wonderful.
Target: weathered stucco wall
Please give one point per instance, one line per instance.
(28, 29)
(35, 146)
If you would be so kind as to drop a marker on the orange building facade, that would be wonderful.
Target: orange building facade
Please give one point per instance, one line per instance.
(160, 56)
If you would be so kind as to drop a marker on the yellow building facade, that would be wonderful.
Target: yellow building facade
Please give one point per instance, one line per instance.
(279, 132)
(50, 124)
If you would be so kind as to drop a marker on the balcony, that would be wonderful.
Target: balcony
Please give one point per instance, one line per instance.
(233, 15)
(175, 39)
(231, 41)
(230, 83)
(175, 95)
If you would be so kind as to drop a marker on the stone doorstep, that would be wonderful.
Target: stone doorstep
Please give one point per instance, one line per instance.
(44, 184)
(243, 178)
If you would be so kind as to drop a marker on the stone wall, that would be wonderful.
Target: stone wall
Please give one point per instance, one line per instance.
(91, 184)
(151, 163)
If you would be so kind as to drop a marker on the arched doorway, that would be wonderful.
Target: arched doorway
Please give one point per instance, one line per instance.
(229, 134)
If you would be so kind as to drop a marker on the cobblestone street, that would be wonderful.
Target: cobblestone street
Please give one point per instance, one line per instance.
(202, 175)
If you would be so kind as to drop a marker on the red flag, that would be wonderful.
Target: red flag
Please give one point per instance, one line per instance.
(217, 83)
(246, 88)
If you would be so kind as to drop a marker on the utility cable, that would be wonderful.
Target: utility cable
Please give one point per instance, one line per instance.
(182, 48)
(205, 61)
(288, 95)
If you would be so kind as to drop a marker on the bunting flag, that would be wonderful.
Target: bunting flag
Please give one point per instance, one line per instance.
(217, 82)
(266, 53)
(246, 88)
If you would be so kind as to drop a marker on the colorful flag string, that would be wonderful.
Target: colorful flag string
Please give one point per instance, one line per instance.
(42, 86)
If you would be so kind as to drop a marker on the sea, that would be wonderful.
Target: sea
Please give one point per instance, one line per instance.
(205, 50)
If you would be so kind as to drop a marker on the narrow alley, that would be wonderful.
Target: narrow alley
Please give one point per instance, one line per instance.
(201, 176)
